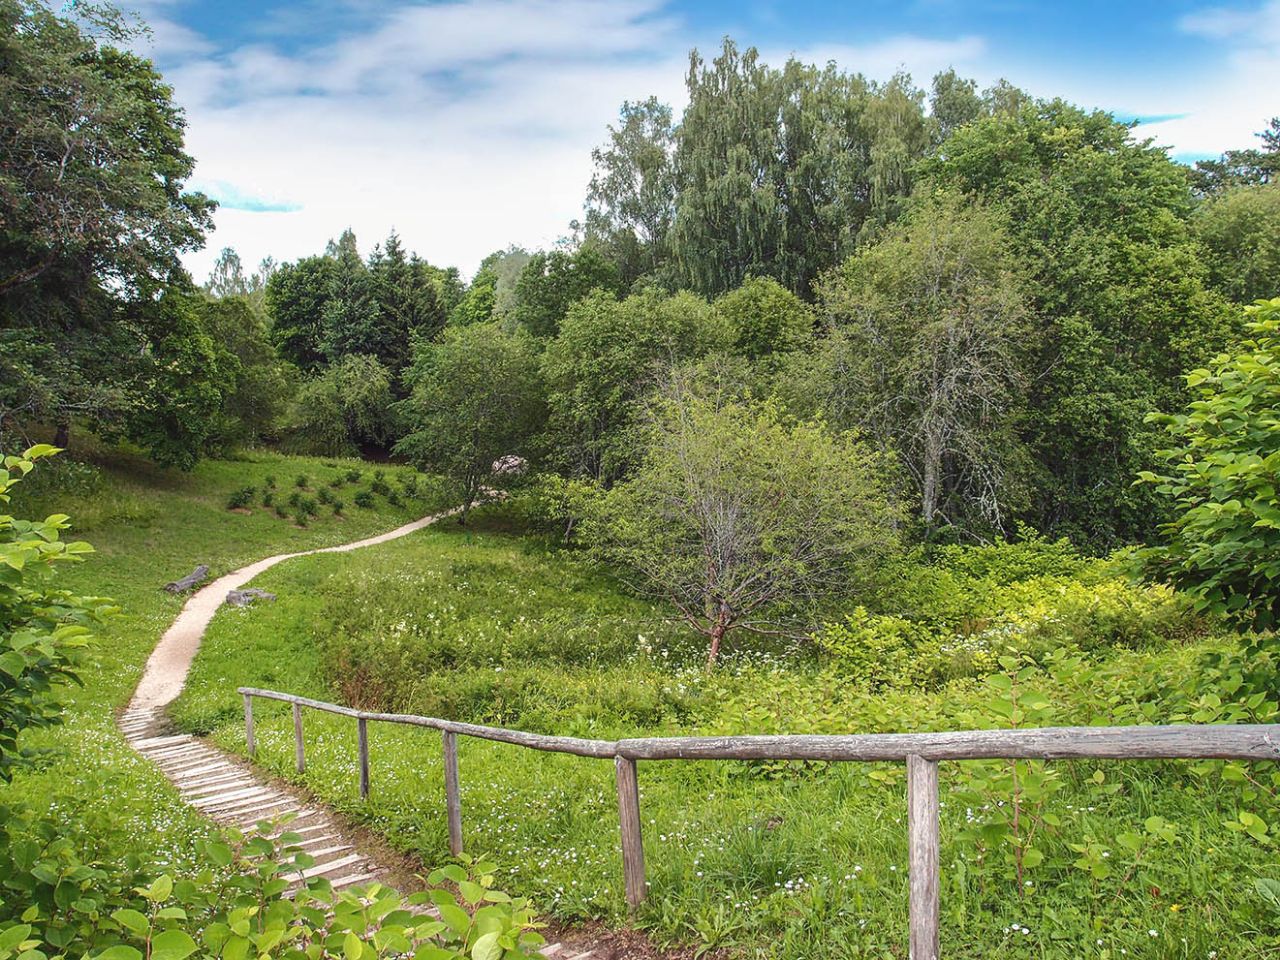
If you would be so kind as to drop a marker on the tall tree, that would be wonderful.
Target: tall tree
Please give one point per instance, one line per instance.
(930, 356)
(476, 399)
(780, 170)
(1115, 279)
(296, 295)
(351, 319)
(1240, 228)
(631, 200)
(92, 165)
(607, 356)
(551, 282)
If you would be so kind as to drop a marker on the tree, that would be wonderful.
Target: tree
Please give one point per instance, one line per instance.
(477, 304)
(953, 102)
(551, 282)
(256, 398)
(296, 295)
(743, 520)
(346, 407)
(1114, 277)
(351, 320)
(1241, 230)
(779, 171)
(408, 300)
(930, 356)
(766, 318)
(476, 398)
(632, 197)
(1241, 168)
(607, 356)
(92, 165)
(1223, 543)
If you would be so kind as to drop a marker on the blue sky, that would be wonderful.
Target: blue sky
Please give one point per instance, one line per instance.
(467, 125)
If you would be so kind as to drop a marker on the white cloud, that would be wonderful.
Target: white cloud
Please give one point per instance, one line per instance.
(1225, 108)
(465, 125)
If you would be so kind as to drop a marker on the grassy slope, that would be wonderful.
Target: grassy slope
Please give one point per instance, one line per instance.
(809, 863)
(150, 526)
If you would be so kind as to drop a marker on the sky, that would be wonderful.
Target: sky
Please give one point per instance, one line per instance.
(468, 125)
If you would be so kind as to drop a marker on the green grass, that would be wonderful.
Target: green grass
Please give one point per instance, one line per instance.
(484, 624)
(773, 860)
(150, 526)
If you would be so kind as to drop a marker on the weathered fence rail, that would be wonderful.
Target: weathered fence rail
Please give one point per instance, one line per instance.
(921, 753)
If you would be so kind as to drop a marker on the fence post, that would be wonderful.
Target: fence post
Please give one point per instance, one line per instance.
(249, 742)
(299, 753)
(362, 737)
(629, 818)
(923, 840)
(452, 798)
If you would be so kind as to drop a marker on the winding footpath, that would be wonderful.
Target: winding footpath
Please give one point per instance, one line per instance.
(224, 788)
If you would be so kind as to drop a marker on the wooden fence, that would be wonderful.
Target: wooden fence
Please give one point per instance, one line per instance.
(921, 752)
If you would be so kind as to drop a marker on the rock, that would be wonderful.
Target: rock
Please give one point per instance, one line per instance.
(242, 598)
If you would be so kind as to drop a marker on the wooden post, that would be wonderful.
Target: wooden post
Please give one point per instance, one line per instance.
(922, 830)
(362, 736)
(452, 799)
(249, 742)
(299, 753)
(632, 841)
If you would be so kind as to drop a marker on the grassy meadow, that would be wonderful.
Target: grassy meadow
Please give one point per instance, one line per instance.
(150, 526)
(490, 625)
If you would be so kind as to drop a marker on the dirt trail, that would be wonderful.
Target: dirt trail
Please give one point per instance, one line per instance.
(224, 788)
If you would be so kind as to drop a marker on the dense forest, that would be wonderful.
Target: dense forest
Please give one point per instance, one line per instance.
(881, 401)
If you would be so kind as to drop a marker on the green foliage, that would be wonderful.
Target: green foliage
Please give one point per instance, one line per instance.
(477, 397)
(1223, 544)
(740, 519)
(256, 397)
(1115, 280)
(346, 405)
(363, 498)
(766, 318)
(92, 165)
(552, 282)
(238, 904)
(930, 355)
(242, 497)
(1240, 228)
(295, 297)
(608, 356)
(44, 631)
(779, 171)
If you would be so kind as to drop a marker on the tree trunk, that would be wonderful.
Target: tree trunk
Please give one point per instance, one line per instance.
(718, 630)
(62, 435)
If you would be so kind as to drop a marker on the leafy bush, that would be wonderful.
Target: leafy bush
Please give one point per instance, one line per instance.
(268, 498)
(1221, 481)
(295, 499)
(325, 496)
(301, 481)
(240, 906)
(338, 506)
(241, 498)
(379, 486)
(308, 506)
(354, 476)
(44, 631)
(337, 481)
(301, 515)
(269, 481)
(363, 498)
(394, 499)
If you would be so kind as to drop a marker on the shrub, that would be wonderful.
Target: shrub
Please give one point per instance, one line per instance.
(337, 507)
(336, 482)
(394, 499)
(380, 487)
(282, 511)
(269, 481)
(325, 496)
(268, 498)
(354, 476)
(300, 515)
(241, 498)
(44, 631)
(301, 481)
(363, 498)
(295, 499)
(308, 506)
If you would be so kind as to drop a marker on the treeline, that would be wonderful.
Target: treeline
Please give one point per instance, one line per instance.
(993, 289)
